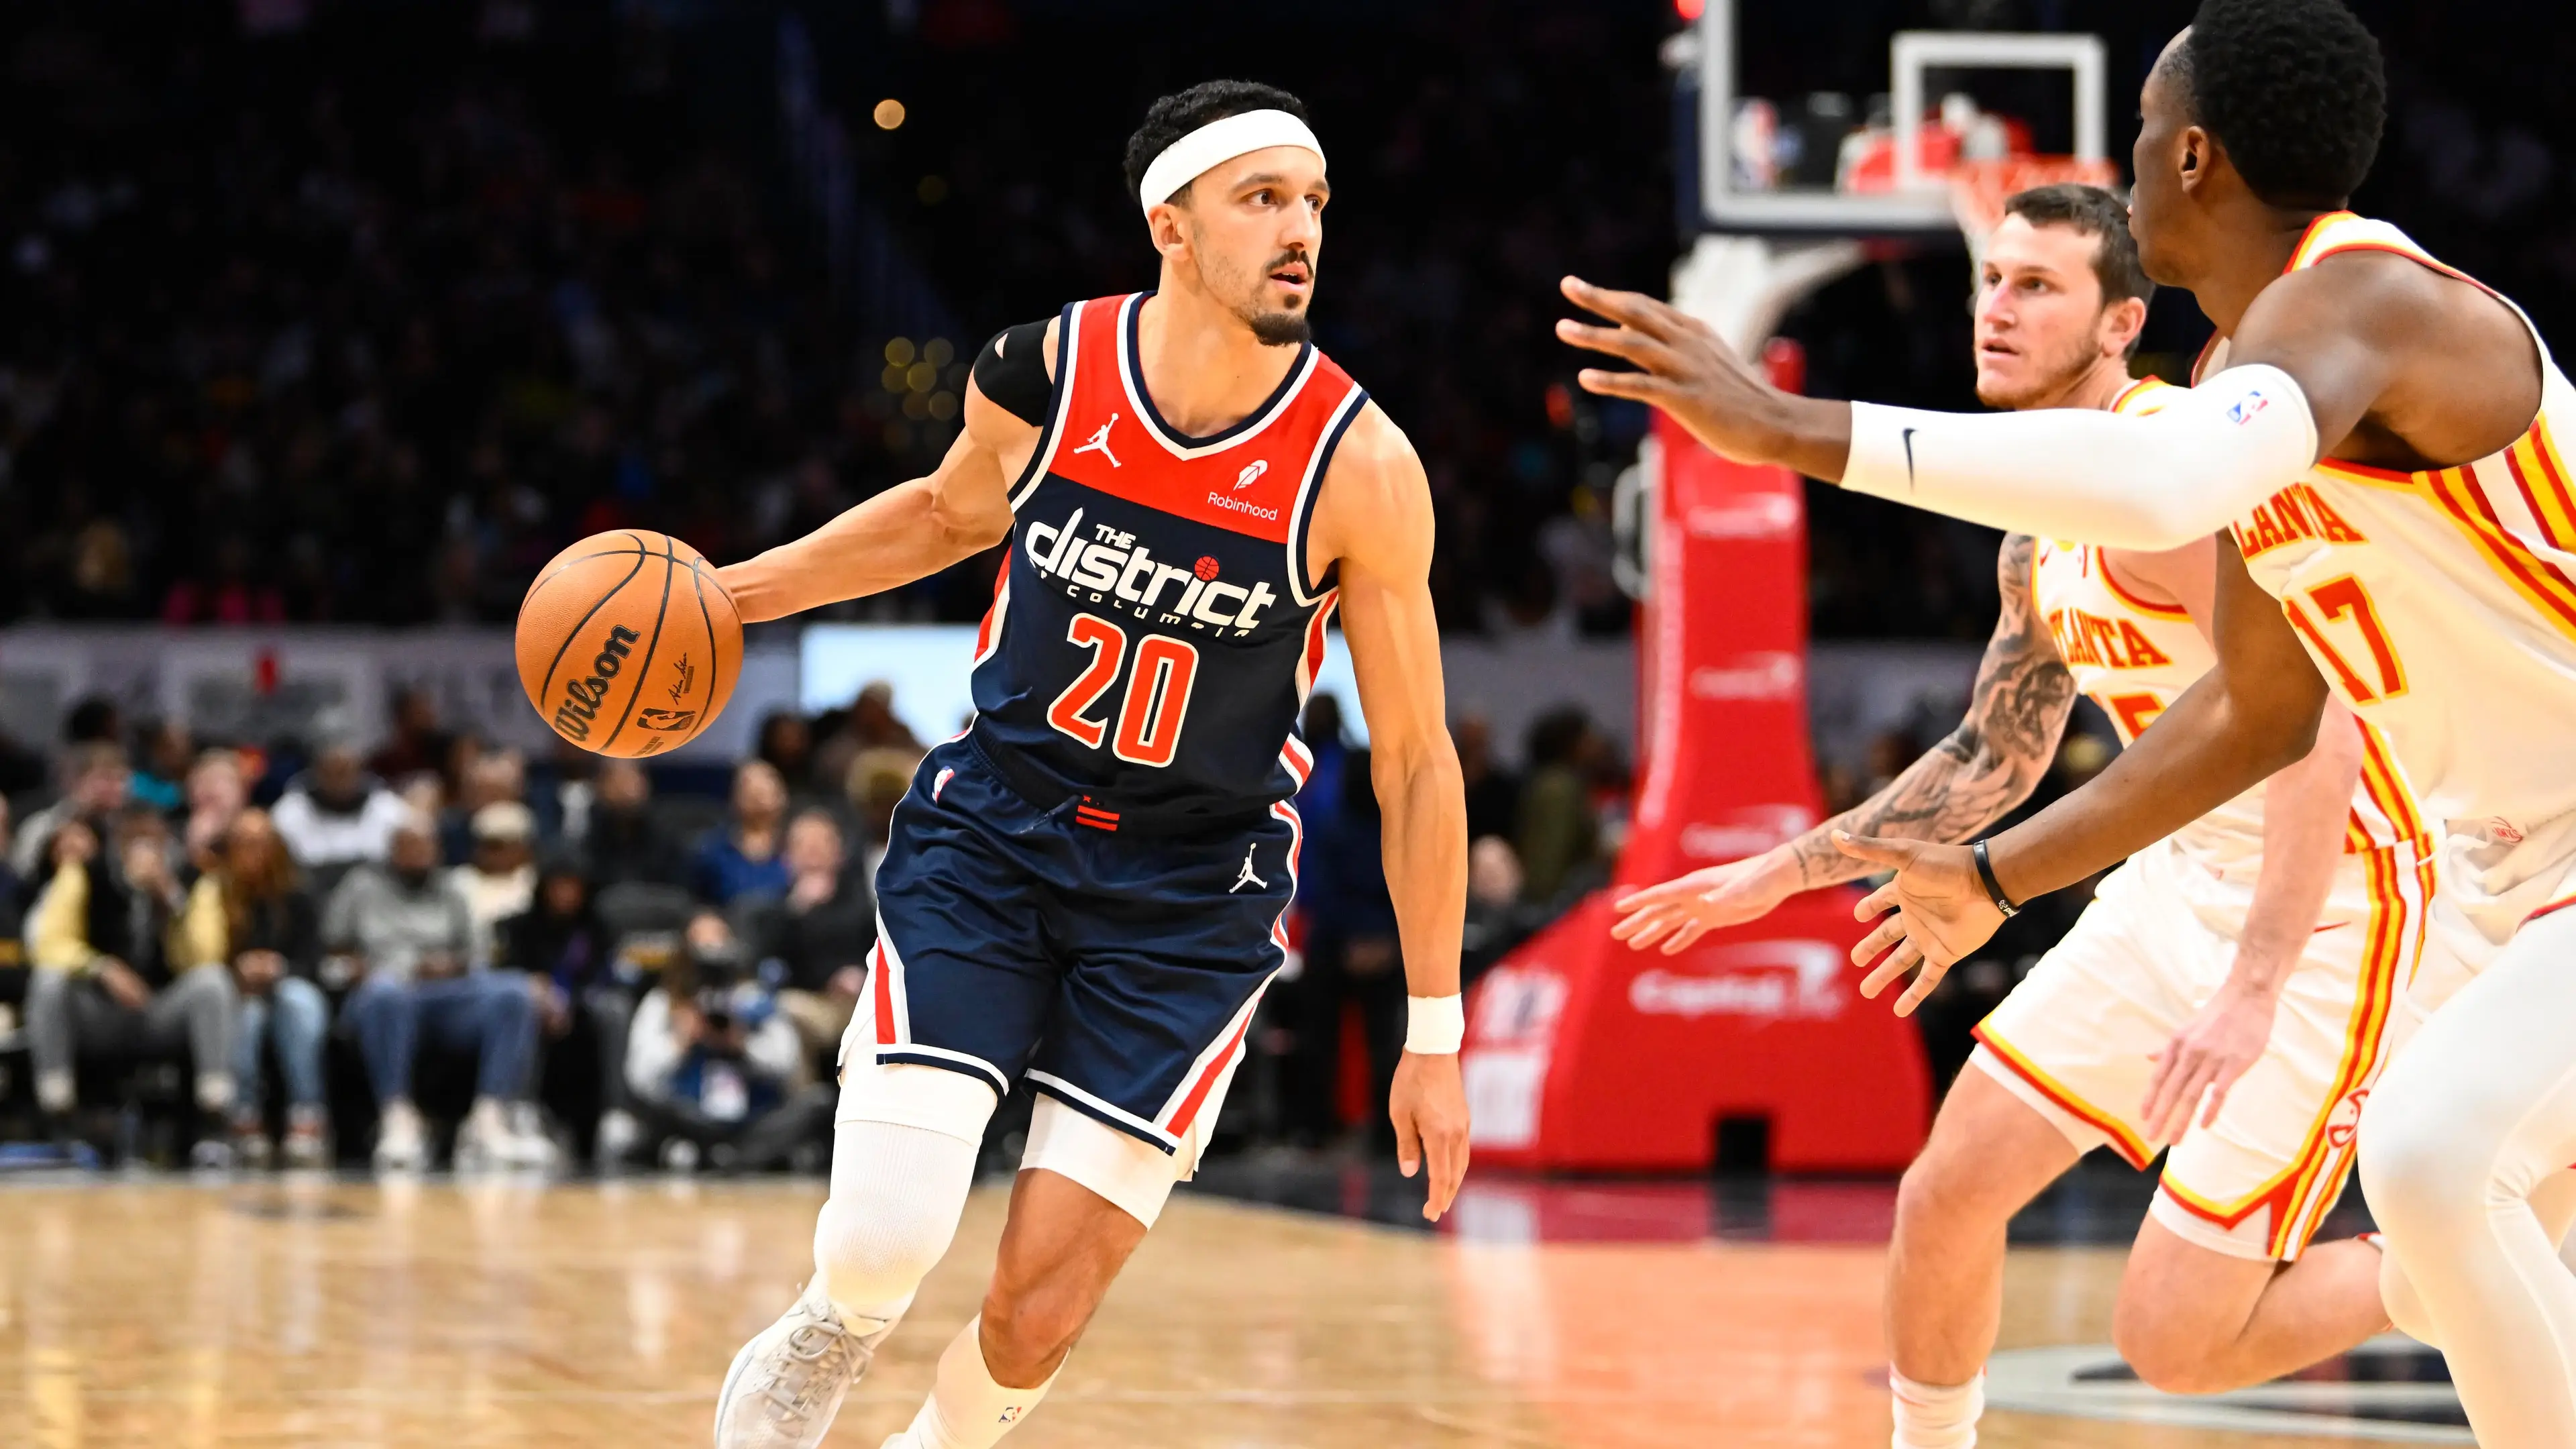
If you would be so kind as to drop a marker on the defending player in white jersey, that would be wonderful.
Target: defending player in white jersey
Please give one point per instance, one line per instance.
(2435, 594)
(2201, 966)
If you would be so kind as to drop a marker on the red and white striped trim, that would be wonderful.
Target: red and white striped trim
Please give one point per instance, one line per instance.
(1310, 660)
(1296, 844)
(989, 637)
(1200, 1080)
(893, 1007)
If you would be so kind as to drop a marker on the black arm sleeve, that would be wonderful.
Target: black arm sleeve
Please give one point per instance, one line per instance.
(1011, 370)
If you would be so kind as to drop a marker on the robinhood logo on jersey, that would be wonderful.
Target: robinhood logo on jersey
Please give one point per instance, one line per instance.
(1107, 563)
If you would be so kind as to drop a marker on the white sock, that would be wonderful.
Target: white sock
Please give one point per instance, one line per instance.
(966, 1409)
(215, 1091)
(1934, 1416)
(54, 1091)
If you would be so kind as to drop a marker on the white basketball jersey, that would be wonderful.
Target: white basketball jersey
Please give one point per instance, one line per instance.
(2134, 658)
(2442, 607)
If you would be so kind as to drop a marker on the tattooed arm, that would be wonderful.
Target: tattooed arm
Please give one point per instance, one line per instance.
(1986, 766)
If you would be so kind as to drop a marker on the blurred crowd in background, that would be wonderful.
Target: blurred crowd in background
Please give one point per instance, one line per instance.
(358, 310)
(231, 955)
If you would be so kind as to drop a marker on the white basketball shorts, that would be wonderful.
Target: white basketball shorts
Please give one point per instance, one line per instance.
(2076, 1038)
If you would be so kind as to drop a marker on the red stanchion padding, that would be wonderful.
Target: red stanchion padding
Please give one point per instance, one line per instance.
(1583, 1054)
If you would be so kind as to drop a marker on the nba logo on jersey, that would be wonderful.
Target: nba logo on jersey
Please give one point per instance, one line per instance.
(2246, 407)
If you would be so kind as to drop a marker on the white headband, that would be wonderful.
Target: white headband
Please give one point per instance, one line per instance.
(1216, 143)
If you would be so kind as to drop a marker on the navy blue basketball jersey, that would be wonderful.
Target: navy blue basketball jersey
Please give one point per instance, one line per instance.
(1154, 632)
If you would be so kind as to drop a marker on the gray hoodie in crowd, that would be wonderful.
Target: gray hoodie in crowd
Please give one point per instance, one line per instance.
(395, 922)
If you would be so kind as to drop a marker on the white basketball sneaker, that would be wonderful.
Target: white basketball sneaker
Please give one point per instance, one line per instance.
(786, 1384)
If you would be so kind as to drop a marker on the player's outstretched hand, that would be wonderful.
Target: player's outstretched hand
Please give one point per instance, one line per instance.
(2206, 1058)
(1429, 1105)
(1685, 908)
(1683, 367)
(1942, 913)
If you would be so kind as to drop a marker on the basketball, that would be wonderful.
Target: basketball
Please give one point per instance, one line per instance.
(627, 644)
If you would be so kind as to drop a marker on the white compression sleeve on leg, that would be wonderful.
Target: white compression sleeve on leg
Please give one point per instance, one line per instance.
(2472, 1121)
(2156, 481)
(966, 1409)
(903, 1160)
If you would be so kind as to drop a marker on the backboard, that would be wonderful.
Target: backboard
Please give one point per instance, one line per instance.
(1823, 161)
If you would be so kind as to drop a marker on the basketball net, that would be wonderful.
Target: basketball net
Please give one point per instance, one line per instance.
(1978, 189)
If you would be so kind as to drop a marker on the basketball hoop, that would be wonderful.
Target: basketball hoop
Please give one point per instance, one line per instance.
(1978, 189)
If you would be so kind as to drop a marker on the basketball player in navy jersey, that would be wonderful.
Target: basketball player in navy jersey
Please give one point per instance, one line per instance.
(1082, 893)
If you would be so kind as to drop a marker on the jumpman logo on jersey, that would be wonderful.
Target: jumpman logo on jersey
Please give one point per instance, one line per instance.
(1247, 878)
(1100, 442)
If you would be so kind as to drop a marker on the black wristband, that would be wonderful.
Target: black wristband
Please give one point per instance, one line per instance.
(1994, 888)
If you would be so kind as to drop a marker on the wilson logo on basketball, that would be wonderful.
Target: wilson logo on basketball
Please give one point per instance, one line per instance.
(583, 697)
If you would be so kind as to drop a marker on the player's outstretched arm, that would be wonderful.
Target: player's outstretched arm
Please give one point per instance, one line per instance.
(2308, 370)
(1985, 767)
(1375, 517)
(2255, 712)
(2306, 810)
(909, 531)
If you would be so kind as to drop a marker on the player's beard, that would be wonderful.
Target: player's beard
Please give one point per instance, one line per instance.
(1276, 327)
(1280, 329)
(2052, 381)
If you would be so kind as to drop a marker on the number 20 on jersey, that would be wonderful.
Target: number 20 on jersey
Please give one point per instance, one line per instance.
(1147, 729)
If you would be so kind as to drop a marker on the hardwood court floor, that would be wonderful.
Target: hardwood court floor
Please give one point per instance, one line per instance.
(460, 1315)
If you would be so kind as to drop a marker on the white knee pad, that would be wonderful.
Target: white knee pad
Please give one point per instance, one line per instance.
(903, 1160)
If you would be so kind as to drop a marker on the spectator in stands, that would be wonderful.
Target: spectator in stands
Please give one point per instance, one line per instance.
(335, 815)
(418, 743)
(217, 793)
(1498, 919)
(1558, 833)
(709, 1057)
(21, 769)
(94, 720)
(13, 949)
(499, 879)
(559, 942)
(128, 963)
(625, 843)
(95, 786)
(497, 777)
(1493, 793)
(1352, 957)
(874, 724)
(414, 936)
(563, 793)
(787, 743)
(878, 778)
(820, 932)
(272, 930)
(168, 751)
(10, 905)
(743, 855)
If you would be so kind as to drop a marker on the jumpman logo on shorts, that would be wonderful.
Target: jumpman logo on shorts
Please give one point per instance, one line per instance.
(1247, 878)
(1100, 442)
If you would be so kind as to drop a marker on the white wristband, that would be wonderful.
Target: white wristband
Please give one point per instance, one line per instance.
(1435, 1026)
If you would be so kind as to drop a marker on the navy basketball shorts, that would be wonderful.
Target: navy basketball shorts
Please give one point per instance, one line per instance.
(1115, 971)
